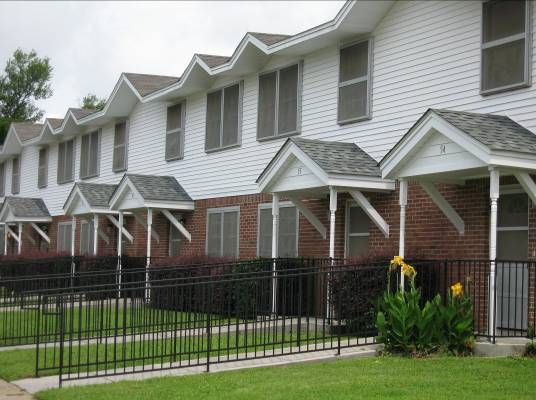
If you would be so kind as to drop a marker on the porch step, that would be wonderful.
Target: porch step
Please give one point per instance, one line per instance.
(507, 347)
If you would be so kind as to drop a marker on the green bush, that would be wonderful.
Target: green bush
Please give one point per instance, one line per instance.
(530, 348)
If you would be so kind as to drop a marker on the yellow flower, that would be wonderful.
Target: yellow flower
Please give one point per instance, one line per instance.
(397, 261)
(457, 290)
(408, 270)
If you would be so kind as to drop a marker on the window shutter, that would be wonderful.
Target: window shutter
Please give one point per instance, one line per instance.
(42, 173)
(287, 117)
(213, 120)
(267, 107)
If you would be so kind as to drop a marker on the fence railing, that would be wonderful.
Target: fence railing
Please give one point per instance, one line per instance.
(198, 320)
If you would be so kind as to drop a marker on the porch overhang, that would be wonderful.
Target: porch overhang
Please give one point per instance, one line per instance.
(89, 198)
(23, 209)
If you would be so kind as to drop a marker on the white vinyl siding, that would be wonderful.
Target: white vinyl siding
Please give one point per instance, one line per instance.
(89, 155)
(120, 156)
(86, 237)
(64, 239)
(357, 231)
(2, 179)
(505, 45)
(15, 175)
(223, 232)
(175, 132)
(354, 82)
(279, 102)
(42, 168)
(66, 161)
(223, 118)
(175, 241)
(288, 231)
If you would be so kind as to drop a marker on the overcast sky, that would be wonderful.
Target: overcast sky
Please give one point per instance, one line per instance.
(91, 43)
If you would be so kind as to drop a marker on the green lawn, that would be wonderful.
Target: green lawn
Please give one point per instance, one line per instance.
(378, 378)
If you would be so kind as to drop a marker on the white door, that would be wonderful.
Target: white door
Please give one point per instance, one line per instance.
(512, 272)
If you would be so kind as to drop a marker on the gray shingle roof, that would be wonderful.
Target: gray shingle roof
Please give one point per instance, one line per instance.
(24, 207)
(146, 84)
(96, 194)
(27, 130)
(497, 132)
(269, 38)
(55, 122)
(81, 112)
(158, 188)
(212, 60)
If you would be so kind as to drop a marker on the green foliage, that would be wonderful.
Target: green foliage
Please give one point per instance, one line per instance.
(530, 348)
(92, 102)
(404, 326)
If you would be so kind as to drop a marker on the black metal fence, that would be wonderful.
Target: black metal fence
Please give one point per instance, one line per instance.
(253, 311)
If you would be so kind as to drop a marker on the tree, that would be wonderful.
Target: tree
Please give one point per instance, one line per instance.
(92, 102)
(26, 78)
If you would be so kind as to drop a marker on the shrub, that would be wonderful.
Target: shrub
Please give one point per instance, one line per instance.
(530, 348)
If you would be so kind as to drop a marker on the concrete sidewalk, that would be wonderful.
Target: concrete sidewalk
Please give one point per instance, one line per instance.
(9, 391)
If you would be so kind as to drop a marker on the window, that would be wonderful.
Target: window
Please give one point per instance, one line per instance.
(86, 237)
(89, 155)
(279, 102)
(66, 161)
(175, 132)
(357, 231)
(65, 231)
(288, 231)
(42, 169)
(2, 179)
(15, 175)
(354, 82)
(223, 232)
(120, 161)
(223, 120)
(505, 45)
(175, 241)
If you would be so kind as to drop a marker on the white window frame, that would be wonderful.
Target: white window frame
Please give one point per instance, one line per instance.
(2, 179)
(222, 108)
(15, 177)
(60, 224)
(283, 204)
(299, 90)
(125, 145)
(347, 234)
(86, 174)
(527, 36)
(62, 168)
(367, 78)
(181, 131)
(222, 210)
(42, 185)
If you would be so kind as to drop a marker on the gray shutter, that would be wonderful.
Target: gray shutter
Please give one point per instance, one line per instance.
(213, 120)
(230, 234)
(287, 117)
(266, 107)
(69, 161)
(214, 234)
(231, 115)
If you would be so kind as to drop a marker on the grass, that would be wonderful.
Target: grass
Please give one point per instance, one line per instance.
(379, 378)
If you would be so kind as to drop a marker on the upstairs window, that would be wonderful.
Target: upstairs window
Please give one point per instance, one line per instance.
(90, 155)
(223, 232)
(15, 176)
(354, 82)
(42, 169)
(505, 45)
(2, 180)
(175, 132)
(66, 161)
(223, 121)
(279, 102)
(120, 161)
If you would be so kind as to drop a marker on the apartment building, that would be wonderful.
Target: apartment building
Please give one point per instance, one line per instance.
(398, 127)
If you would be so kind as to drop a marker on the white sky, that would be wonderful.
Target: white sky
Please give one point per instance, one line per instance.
(91, 43)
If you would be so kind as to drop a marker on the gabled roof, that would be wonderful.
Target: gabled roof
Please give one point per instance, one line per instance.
(269, 38)
(81, 112)
(55, 123)
(212, 60)
(21, 209)
(27, 130)
(86, 198)
(146, 84)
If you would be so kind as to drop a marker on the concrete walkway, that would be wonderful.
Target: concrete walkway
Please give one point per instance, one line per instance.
(34, 385)
(9, 391)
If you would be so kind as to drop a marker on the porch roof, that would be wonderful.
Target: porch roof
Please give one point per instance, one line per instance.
(461, 144)
(24, 209)
(307, 164)
(88, 198)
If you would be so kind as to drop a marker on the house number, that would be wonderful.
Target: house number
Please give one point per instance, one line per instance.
(442, 149)
(299, 171)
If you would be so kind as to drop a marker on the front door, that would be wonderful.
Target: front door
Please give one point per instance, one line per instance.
(512, 271)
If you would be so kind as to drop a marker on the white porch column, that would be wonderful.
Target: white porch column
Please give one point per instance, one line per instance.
(19, 244)
(403, 201)
(332, 210)
(73, 236)
(494, 197)
(149, 232)
(95, 233)
(5, 238)
(275, 252)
